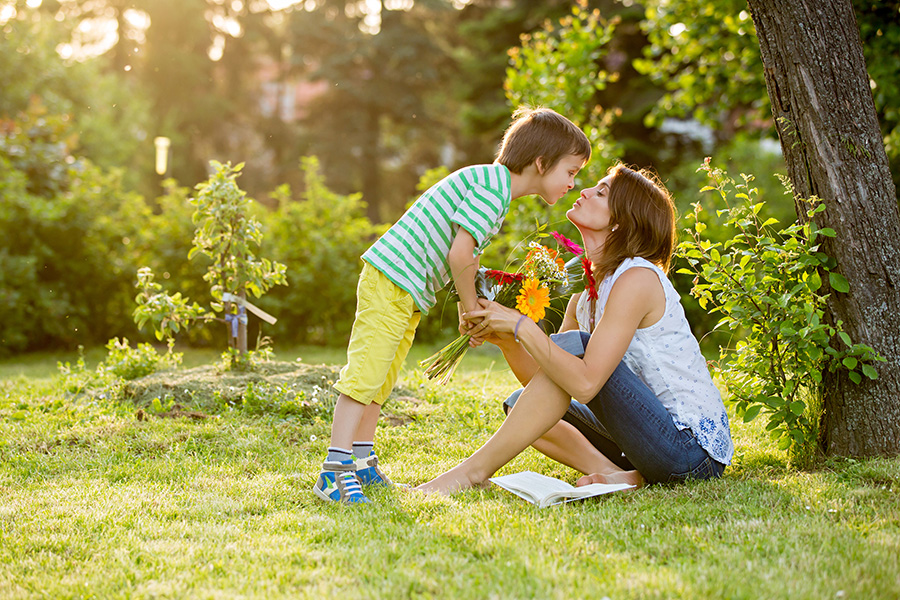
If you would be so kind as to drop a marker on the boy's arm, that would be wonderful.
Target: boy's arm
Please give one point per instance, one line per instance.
(463, 266)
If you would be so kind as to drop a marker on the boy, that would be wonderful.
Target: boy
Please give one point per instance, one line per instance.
(438, 238)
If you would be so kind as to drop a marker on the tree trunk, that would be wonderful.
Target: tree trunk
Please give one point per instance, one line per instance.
(826, 121)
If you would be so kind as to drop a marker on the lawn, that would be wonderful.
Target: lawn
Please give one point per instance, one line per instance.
(206, 494)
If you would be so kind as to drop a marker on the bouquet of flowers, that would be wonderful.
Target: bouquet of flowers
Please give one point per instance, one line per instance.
(542, 277)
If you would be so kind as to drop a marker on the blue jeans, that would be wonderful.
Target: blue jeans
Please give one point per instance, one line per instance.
(628, 424)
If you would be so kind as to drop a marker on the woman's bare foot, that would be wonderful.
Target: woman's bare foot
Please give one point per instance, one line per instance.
(630, 477)
(454, 480)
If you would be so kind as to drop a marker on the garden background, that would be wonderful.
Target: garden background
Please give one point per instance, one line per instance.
(188, 483)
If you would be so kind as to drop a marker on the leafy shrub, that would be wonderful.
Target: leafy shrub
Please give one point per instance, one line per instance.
(226, 234)
(767, 286)
(78, 378)
(163, 247)
(66, 267)
(130, 363)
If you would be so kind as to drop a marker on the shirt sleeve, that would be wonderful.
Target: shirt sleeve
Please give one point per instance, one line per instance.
(480, 213)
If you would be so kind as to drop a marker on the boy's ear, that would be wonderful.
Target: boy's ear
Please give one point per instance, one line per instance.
(539, 165)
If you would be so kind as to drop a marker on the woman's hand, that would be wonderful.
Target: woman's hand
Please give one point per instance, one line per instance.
(494, 319)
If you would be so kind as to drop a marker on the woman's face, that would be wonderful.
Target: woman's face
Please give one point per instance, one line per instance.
(591, 210)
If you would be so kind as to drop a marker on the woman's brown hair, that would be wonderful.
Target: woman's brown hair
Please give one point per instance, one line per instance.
(642, 220)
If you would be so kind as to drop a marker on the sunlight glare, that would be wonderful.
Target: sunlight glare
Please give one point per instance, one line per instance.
(65, 51)
(228, 25)
(217, 49)
(33, 3)
(399, 4)
(677, 29)
(281, 4)
(7, 12)
(139, 23)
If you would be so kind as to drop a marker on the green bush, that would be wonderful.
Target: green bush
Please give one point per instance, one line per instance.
(767, 285)
(742, 154)
(66, 265)
(130, 363)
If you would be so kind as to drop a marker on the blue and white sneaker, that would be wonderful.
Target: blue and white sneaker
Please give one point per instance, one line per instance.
(338, 483)
(368, 473)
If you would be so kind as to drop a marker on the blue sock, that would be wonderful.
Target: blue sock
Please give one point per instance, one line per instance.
(362, 449)
(337, 454)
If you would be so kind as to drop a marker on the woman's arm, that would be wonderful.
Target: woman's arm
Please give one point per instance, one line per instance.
(517, 357)
(636, 300)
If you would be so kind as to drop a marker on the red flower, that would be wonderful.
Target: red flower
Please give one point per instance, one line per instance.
(591, 285)
(504, 278)
(568, 244)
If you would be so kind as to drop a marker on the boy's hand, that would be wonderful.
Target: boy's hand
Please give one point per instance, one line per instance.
(467, 324)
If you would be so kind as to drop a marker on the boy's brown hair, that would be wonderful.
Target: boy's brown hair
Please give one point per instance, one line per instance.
(642, 220)
(540, 133)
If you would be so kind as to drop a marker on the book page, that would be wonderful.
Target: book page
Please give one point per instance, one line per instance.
(534, 485)
(546, 491)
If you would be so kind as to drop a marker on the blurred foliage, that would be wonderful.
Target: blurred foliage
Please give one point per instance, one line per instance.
(67, 269)
(706, 55)
(319, 237)
(105, 120)
(404, 96)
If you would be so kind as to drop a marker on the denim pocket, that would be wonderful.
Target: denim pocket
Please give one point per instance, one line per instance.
(708, 469)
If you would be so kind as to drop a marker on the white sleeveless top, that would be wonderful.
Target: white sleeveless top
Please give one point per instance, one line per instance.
(667, 357)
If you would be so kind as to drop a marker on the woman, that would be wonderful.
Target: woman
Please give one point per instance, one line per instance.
(624, 394)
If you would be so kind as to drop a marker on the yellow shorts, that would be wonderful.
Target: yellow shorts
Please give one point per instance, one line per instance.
(383, 332)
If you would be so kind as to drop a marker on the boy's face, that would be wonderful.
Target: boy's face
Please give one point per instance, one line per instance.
(557, 181)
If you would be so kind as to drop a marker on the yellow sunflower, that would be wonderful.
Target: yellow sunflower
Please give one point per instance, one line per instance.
(533, 299)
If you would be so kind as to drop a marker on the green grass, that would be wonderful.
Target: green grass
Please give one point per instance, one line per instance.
(96, 503)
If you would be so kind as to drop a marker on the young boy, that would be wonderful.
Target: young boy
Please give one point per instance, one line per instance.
(438, 238)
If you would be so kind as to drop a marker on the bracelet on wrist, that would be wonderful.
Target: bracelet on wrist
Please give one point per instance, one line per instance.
(516, 330)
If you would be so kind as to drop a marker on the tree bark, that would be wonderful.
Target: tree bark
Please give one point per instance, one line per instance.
(825, 116)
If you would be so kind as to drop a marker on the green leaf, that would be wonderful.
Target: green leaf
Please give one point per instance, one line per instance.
(797, 407)
(787, 330)
(870, 372)
(855, 377)
(752, 412)
(850, 362)
(839, 282)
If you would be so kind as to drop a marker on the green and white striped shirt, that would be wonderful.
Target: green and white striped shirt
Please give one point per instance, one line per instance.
(413, 253)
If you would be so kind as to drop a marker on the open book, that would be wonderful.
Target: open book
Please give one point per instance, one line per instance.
(547, 491)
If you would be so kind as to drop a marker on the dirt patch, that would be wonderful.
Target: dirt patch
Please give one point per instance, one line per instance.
(282, 388)
(206, 390)
(176, 412)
